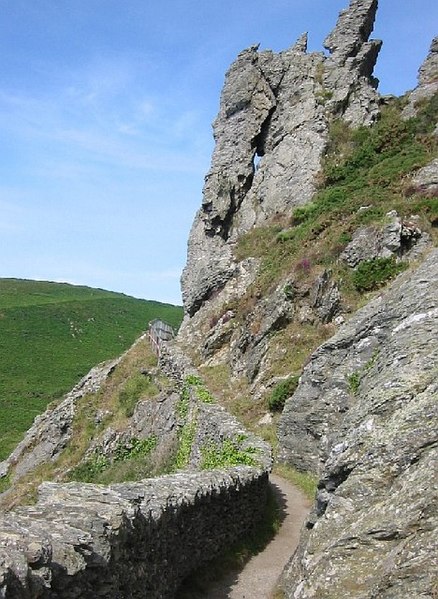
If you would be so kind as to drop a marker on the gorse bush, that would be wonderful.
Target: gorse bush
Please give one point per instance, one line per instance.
(371, 274)
(281, 392)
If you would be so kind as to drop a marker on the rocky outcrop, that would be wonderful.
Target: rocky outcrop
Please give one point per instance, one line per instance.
(270, 134)
(425, 180)
(364, 417)
(395, 239)
(51, 432)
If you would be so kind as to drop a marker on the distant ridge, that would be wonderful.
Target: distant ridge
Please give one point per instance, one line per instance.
(51, 334)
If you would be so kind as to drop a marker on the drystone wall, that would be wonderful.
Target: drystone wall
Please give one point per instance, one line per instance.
(83, 541)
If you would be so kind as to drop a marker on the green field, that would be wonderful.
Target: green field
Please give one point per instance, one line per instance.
(51, 334)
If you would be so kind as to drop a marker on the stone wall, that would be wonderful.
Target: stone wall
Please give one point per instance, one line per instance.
(128, 540)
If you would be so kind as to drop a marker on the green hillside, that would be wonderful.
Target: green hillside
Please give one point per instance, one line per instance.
(51, 334)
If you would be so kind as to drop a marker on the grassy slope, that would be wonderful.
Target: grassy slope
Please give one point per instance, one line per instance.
(51, 334)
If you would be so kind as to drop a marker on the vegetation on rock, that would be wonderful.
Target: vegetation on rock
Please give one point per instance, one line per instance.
(228, 453)
(281, 392)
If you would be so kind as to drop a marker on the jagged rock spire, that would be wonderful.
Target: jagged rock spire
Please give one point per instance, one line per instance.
(428, 72)
(427, 82)
(352, 30)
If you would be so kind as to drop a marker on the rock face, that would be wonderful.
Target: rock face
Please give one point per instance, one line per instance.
(427, 81)
(364, 417)
(395, 239)
(270, 133)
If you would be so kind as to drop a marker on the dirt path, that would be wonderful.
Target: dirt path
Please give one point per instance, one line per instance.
(258, 578)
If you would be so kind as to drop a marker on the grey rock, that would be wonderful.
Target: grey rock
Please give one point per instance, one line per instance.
(364, 417)
(428, 72)
(425, 180)
(325, 297)
(427, 82)
(397, 238)
(352, 30)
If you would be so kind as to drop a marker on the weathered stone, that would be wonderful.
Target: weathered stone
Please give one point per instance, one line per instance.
(364, 416)
(425, 180)
(427, 82)
(325, 297)
(396, 238)
(352, 30)
(130, 540)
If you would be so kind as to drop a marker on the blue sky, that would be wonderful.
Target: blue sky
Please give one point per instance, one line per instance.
(105, 123)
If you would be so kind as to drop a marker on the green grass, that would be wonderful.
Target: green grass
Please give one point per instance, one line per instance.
(306, 481)
(51, 334)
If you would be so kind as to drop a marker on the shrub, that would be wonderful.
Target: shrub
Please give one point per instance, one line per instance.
(373, 273)
(281, 392)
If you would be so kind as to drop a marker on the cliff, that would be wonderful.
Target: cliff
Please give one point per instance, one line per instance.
(364, 416)
(313, 185)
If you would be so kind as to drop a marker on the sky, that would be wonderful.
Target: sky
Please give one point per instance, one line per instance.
(105, 123)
